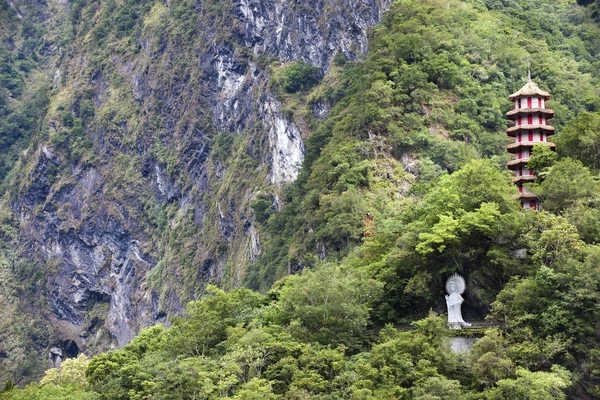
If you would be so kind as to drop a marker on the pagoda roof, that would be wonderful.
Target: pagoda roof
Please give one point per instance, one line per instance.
(530, 89)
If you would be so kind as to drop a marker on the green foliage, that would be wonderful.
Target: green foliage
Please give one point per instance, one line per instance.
(257, 351)
(209, 320)
(532, 385)
(581, 139)
(328, 306)
(18, 123)
(297, 76)
(490, 360)
(262, 210)
(23, 98)
(553, 239)
(438, 388)
(550, 315)
(8, 386)
(542, 158)
(567, 184)
(339, 60)
(50, 392)
(71, 373)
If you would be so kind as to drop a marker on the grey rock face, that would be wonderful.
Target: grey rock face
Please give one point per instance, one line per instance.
(285, 143)
(97, 263)
(312, 30)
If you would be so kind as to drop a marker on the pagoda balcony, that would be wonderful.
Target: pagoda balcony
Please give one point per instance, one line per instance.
(515, 128)
(526, 196)
(524, 178)
(517, 163)
(513, 147)
(548, 123)
(513, 113)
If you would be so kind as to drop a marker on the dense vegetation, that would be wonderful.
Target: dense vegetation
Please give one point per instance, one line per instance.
(22, 106)
(416, 137)
(298, 342)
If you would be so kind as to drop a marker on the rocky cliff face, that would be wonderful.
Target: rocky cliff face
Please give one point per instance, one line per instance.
(157, 141)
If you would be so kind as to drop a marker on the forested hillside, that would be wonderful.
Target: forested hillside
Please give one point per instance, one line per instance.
(163, 158)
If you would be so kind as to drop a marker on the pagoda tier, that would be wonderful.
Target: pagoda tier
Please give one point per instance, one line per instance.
(531, 126)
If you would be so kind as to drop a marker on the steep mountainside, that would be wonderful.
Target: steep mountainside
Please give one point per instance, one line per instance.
(161, 131)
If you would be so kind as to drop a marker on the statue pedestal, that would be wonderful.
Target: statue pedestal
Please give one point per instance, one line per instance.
(459, 325)
(454, 325)
(461, 344)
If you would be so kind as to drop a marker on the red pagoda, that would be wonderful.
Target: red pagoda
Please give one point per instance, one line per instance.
(530, 127)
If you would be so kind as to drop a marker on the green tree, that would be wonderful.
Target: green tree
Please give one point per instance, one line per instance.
(542, 158)
(256, 389)
(329, 305)
(71, 372)
(581, 139)
(438, 388)
(532, 385)
(298, 76)
(208, 319)
(490, 362)
(467, 189)
(49, 392)
(566, 183)
(553, 240)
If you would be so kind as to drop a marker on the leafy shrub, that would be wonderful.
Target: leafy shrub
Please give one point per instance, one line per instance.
(298, 76)
(262, 210)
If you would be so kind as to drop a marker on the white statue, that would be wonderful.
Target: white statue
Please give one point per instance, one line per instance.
(455, 286)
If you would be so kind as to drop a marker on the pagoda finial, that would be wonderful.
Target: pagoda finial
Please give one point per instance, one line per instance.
(528, 73)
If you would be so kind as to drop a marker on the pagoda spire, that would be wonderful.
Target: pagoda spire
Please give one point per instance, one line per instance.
(531, 126)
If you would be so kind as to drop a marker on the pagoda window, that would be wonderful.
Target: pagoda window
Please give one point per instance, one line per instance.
(535, 102)
(530, 136)
(520, 188)
(518, 103)
(520, 155)
(531, 203)
(520, 137)
(530, 119)
(530, 172)
(529, 102)
(519, 121)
